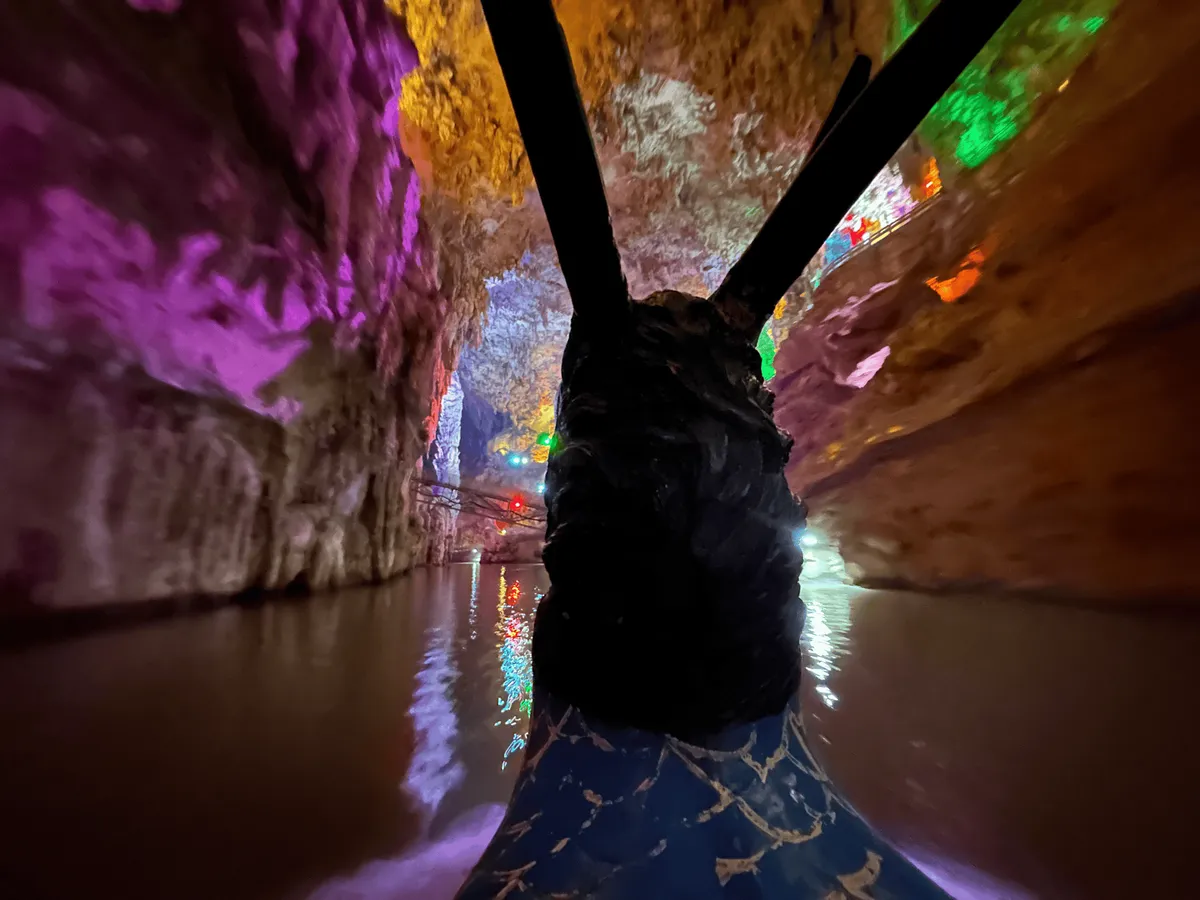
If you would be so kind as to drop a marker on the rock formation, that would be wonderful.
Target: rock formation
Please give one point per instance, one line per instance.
(227, 318)
(1030, 428)
(244, 242)
(692, 164)
(441, 521)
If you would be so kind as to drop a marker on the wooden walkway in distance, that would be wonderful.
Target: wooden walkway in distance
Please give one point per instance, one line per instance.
(473, 501)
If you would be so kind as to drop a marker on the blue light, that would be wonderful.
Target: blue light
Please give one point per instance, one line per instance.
(805, 538)
(541, 487)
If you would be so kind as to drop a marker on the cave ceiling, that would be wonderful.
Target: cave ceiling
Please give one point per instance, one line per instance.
(702, 112)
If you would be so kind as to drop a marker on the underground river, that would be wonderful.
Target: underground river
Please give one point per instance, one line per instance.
(359, 745)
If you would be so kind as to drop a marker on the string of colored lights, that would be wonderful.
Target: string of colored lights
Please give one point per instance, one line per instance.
(888, 200)
(539, 452)
(514, 510)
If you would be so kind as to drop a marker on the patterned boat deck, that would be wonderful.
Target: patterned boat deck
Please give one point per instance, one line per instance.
(617, 813)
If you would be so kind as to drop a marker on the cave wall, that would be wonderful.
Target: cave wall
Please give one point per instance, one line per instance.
(441, 521)
(226, 320)
(1036, 434)
(123, 489)
(1081, 486)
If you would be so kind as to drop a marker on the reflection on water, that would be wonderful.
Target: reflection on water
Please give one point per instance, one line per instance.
(359, 745)
(435, 866)
(1013, 750)
(827, 600)
(514, 622)
(254, 754)
(474, 613)
(825, 635)
(429, 870)
(434, 770)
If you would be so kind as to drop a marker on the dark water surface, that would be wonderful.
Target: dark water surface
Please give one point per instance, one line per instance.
(356, 746)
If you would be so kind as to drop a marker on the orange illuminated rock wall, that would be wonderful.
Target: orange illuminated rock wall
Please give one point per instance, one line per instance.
(774, 58)
(1039, 432)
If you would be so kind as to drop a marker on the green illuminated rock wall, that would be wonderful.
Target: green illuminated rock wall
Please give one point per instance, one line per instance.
(993, 100)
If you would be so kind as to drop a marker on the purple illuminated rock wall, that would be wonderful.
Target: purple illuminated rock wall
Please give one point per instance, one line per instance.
(225, 321)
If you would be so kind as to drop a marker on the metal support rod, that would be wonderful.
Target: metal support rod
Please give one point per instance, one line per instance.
(853, 84)
(857, 147)
(545, 96)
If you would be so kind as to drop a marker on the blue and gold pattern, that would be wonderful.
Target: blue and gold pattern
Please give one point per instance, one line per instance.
(621, 813)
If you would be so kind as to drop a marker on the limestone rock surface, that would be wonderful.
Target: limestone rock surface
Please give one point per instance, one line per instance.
(226, 316)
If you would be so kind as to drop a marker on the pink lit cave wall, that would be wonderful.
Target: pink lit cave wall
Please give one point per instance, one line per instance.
(226, 319)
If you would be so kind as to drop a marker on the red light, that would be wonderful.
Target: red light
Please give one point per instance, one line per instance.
(516, 504)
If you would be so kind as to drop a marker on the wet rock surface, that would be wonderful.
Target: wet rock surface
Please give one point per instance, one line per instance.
(226, 318)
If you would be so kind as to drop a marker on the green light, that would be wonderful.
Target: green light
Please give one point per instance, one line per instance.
(904, 23)
(544, 439)
(766, 349)
(991, 102)
(984, 120)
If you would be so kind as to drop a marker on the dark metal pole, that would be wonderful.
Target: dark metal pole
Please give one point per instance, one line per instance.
(541, 82)
(858, 146)
(855, 83)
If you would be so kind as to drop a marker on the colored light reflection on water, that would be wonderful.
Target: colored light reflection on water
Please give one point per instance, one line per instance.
(514, 630)
(435, 768)
(255, 753)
